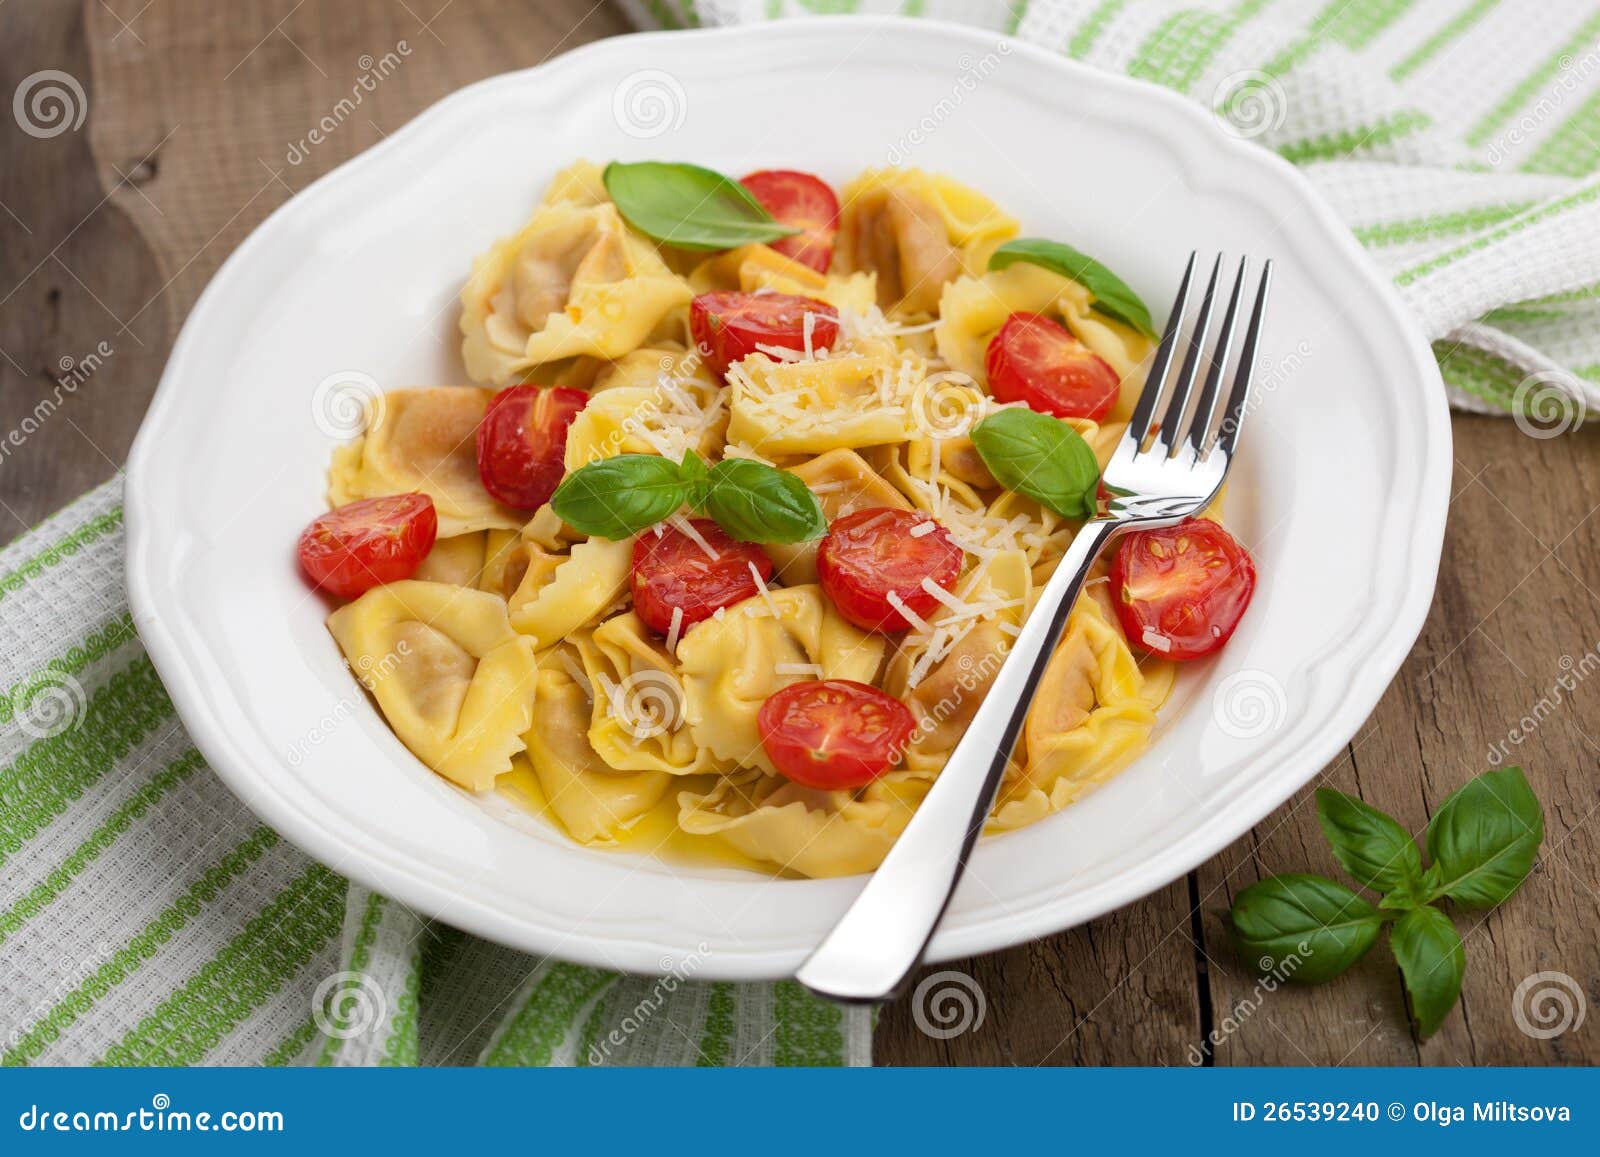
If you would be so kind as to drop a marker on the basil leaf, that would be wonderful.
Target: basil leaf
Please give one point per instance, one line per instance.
(1428, 949)
(1373, 848)
(696, 479)
(1309, 927)
(1483, 839)
(755, 502)
(1041, 457)
(688, 206)
(616, 497)
(1111, 294)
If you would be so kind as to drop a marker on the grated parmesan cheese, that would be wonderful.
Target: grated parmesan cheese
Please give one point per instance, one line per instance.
(686, 528)
(917, 622)
(797, 669)
(761, 586)
(1156, 641)
(920, 529)
(675, 629)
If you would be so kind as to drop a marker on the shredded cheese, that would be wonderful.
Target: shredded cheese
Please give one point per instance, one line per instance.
(917, 622)
(1156, 641)
(761, 586)
(675, 630)
(686, 528)
(797, 669)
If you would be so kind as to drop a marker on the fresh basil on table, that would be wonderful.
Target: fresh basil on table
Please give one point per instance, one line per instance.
(616, 497)
(1308, 927)
(1111, 294)
(1482, 842)
(1041, 457)
(689, 206)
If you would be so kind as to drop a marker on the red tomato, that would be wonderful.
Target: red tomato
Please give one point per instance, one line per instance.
(804, 202)
(673, 570)
(1180, 591)
(1035, 360)
(872, 553)
(365, 544)
(727, 327)
(835, 734)
(522, 443)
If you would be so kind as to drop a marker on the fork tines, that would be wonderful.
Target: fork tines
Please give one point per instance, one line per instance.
(1168, 415)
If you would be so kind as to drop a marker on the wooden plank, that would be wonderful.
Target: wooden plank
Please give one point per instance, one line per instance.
(200, 123)
(1120, 990)
(74, 268)
(1516, 611)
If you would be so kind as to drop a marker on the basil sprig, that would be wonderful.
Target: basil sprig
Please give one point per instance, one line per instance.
(753, 502)
(1041, 457)
(1482, 842)
(689, 206)
(1111, 294)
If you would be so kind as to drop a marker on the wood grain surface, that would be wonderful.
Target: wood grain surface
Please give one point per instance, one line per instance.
(194, 111)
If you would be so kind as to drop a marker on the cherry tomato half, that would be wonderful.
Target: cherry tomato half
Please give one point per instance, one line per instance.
(365, 544)
(727, 327)
(870, 554)
(522, 443)
(1180, 591)
(1034, 359)
(673, 570)
(805, 202)
(835, 734)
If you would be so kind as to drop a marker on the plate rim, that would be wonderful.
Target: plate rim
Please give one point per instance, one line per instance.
(254, 784)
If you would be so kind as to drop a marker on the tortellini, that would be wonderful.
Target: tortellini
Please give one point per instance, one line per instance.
(455, 682)
(731, 664)
(916, 231)
(558, 594)
(595, 803)
(654, 401)
(758, 268)
(802, 830)
(575, 281)
(514, 651)
(638, 701)
(1094, 711)
(423, 440)
(781, 408)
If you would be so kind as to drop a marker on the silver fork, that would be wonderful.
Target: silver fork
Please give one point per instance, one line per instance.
(1168, 466)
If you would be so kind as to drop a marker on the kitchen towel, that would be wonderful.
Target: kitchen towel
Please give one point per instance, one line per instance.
(1458, 138)
(147, 918)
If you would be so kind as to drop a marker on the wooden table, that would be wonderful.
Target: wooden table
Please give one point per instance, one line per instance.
(110, 232)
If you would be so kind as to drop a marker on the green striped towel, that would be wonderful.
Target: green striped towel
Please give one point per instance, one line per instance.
(146, 918)
(1459, 138)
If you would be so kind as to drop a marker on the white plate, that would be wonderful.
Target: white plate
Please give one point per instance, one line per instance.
(1341, 489)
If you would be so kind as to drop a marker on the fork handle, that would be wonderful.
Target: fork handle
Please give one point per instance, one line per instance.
(872, 950)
